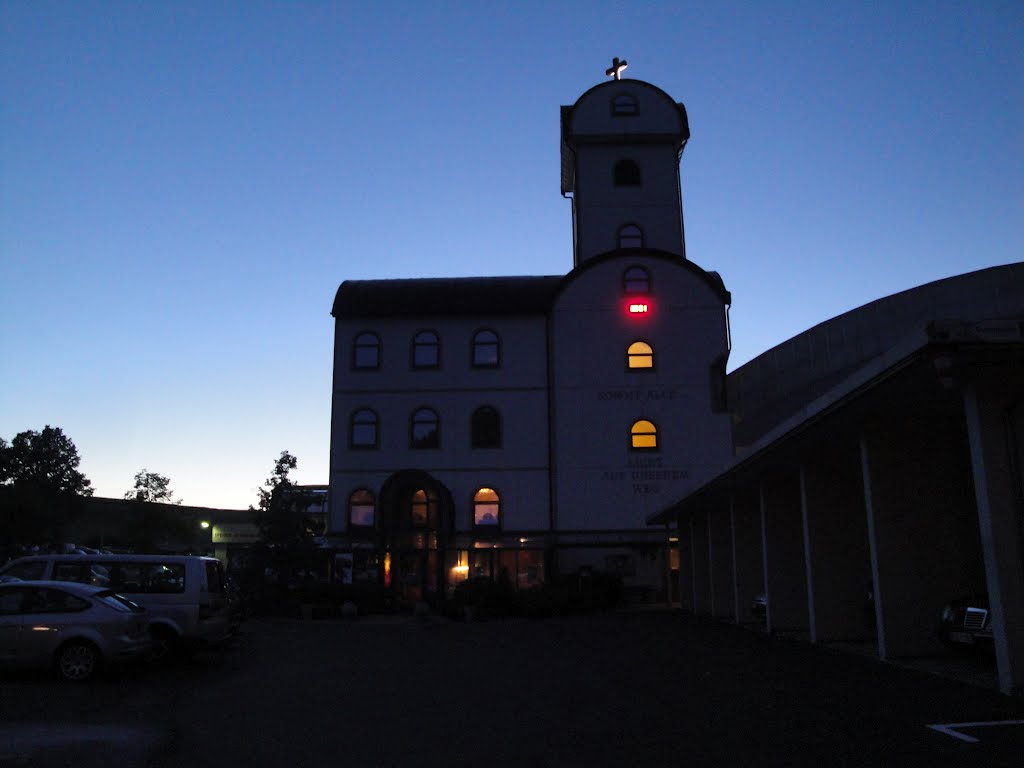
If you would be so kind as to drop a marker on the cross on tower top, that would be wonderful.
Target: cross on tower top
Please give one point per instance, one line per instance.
(615, 70)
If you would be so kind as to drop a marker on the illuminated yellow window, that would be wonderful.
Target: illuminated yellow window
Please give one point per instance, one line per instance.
(486, 508)
(640, 355)
(644, 435)
(420, 508)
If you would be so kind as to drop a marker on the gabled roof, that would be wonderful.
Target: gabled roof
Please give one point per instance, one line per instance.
(530, 295)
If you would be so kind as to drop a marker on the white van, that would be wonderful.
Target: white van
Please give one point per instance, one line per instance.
(186, 596)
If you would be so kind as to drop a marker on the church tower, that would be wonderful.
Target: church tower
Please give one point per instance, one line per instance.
(621, 145)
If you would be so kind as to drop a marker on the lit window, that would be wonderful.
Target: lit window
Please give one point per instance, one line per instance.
(485, 428)
(423, 510)
(486, 508)
(627, 173)
(640, 355)
(625, 105)
(424, 432)
(361, 509)
(366, 352)
(636, 280)
(644, 436)
(426, 350)
(631, 236)
(363, 433)
(486, 350)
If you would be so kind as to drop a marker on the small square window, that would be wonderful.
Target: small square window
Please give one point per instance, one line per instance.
(636, 280)
(625, 105)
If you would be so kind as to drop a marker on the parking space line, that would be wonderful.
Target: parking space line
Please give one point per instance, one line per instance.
(951, 729)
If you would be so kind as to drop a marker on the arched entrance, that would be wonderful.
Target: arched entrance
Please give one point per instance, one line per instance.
(416, 523)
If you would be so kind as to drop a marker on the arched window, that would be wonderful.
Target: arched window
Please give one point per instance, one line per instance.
(366, 352)
(627, 173)
(486, 350)
(423, 510)
(485, 428)
(636, 280)
(631, 236)
(625, 104)
(639, 354)
(426, 350)
(486, 508)
(363, 429)
(423, 429)
(361, 509)
(643, 436)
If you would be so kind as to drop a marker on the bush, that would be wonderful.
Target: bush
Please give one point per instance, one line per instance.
(486, 597)
(592, 590)
(544, 601)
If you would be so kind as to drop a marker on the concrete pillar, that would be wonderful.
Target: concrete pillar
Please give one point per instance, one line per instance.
(685, 563)
(785, 575)
(701, 576)
(922, 526)
(994, 407)
(723, 596)
(747, 555)
(836, 542)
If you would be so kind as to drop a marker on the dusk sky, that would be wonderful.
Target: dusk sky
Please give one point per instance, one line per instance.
(183, 186)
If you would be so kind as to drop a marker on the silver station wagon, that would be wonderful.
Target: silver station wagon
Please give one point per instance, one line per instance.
(77, 629)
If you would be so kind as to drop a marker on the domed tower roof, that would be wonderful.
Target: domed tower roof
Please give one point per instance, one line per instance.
(623, 112)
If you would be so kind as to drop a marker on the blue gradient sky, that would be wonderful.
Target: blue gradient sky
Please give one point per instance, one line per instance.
(184, 185)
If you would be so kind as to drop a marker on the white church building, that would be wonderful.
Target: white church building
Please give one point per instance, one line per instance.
(526, 427)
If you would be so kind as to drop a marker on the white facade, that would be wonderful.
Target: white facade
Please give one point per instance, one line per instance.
(605, 385)
(602, 482)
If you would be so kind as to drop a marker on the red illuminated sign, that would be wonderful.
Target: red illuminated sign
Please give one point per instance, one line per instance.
(638, 309)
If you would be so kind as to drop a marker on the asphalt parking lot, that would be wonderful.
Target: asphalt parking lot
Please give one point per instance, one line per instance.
(650, 688)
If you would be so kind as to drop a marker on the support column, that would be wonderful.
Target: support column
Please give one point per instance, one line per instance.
(994, 406)
(701, 576)
(785, 575)
(922, 526)
(836, 544)
(747, 555)
(685, 563)
(723, 598)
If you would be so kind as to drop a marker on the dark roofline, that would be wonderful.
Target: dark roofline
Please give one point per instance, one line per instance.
(460, 296)
(525, 295)
(713, 279)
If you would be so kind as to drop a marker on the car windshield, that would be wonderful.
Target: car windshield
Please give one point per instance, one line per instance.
(119, 602)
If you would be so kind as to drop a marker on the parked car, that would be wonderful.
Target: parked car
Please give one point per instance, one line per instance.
(966, 621)
(184, 594)
(74, 628)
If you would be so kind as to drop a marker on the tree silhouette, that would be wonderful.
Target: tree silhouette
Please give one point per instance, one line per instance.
(40, 485)
(151, 486)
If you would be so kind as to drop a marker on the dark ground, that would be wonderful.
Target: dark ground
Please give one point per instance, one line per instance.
(651, 688)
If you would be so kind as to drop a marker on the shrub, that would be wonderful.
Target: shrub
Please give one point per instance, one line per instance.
(488, 599)
(545, 601)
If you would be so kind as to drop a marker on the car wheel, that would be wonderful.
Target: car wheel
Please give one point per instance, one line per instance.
(78, 660)
(165, 645)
